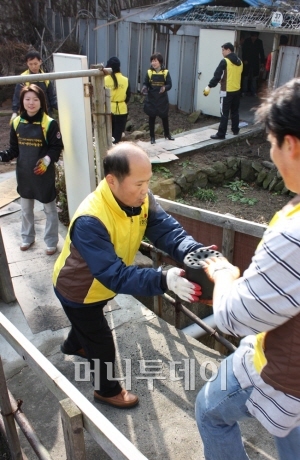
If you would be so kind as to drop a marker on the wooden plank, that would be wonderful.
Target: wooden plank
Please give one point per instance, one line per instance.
(220, 220)
(73, 430)
(113, 442)
(8, 418)
(6, 287)
(228, 243)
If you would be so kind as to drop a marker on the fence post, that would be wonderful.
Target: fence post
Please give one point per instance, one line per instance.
(6, 287)
(8, 418)
(73, 430)
(99, 120)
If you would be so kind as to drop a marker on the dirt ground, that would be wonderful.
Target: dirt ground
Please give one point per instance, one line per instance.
(254, 148)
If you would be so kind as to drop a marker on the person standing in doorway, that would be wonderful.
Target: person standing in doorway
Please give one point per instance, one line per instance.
(156, 85)
(119, 94)
(228, 74)
(254, 61)
(34, 62)
(36, 142)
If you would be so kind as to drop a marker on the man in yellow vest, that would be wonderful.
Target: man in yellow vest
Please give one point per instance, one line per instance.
(96, 262)
(34, 62)
(228, 74)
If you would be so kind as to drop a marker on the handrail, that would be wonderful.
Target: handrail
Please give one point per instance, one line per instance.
(115, 444)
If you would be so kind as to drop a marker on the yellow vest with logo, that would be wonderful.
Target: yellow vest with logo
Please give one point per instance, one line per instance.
(117, 95)
(234, 72)
(46, 120)
(125, 233)
(27, 83)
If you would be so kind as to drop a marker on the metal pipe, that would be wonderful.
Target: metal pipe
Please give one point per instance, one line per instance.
(200, 323)
(196, 331)
(28, 430)
(2, 429)
(13, 79)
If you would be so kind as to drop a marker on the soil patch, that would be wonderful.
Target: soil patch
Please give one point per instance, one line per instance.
(256, 148)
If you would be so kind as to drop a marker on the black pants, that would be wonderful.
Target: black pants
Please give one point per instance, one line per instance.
(165, 122)
(91, 332)
(118, 126)
(229, 103)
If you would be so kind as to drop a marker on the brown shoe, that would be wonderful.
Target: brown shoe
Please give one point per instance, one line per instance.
(122, 401)
(51, 251)
(80, 353)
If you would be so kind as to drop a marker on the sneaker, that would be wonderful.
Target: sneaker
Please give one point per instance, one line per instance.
(26, 246)
(51, 250)
(123, 400)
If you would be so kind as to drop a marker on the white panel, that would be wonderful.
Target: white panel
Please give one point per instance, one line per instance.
(124, 45)
(174, 67)
(210, 42)
(76, 128)
(287, 65)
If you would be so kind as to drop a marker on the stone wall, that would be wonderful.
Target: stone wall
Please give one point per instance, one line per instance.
(264, 174)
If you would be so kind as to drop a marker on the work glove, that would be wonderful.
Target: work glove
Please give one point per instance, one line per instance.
(42, 165)
(186, 290)
(144, 90)
(206, 91)
(14, 115)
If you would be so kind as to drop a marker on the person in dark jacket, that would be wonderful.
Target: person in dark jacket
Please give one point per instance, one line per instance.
(96, 262)
(34, 62)
(253, 60)
(119, 94)
(228, 74)
(36, 142)
(156, 85)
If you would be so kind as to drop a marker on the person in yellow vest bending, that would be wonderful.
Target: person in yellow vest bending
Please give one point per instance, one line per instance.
(261, 378)
(228, 74)
(120, 94)
(34, 62)
(36, 142)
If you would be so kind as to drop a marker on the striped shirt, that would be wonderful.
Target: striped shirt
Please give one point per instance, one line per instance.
(266, 296)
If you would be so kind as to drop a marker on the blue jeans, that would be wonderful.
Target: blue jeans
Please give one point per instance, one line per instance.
(217, 414)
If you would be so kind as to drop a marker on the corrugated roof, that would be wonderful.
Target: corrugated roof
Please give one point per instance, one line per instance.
(190, 4)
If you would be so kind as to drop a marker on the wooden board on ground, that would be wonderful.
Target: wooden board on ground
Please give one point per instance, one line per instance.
(31, 273)
(8, 191)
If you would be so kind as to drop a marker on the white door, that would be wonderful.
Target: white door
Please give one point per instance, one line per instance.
(288, 65)
(210, 42)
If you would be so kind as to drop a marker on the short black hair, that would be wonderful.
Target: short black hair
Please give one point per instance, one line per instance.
(254, 34)
(280, 111)
(116, 163)
(32, 54)
(228, 46)
(157, 56)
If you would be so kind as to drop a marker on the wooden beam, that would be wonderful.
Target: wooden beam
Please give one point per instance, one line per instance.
(213, 218)
(113, 442)
(6, 288)
(72, 424)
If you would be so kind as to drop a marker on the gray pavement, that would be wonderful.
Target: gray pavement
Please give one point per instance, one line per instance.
(162, 426)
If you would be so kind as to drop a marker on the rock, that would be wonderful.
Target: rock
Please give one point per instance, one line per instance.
(193, 117)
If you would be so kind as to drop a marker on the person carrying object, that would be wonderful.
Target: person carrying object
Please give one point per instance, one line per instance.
(261, 378)
(228, 74)
(96, 262)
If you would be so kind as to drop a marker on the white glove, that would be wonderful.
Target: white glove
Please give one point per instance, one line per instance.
(206, 91)
(14, 115)
(186, 290)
